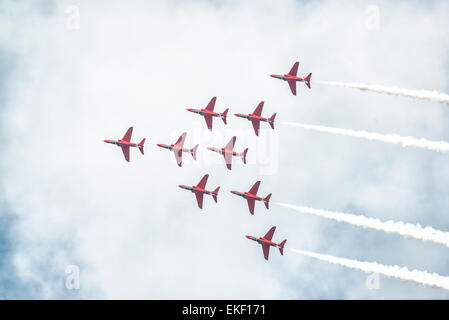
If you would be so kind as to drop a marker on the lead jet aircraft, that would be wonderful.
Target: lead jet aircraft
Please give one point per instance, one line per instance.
(291, 78)
(125, 143)
(228, 152)
(256, 118)
(251, 197)
(199, 191)
(266, 243)
(178, 149)
(208, 113)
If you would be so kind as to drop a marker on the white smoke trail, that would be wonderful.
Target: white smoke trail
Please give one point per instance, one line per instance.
(401, 273)
(405, 229)
(419, 94)
(441, 146)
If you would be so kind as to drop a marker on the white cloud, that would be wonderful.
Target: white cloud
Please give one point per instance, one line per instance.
(132, 230)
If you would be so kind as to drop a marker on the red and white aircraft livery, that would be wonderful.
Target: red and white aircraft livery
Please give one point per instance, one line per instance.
(228, 152)
(256, 118)
(199, 191)
(266, 243)
(209, 113)
(291, 78)
(251, 197)
(178, 149)
(125, 143)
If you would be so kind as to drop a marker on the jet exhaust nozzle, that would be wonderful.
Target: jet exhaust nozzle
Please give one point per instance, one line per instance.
(307, 79)
(244, 155)
(271, 120)
(140, 145)
(281, 247)
(224, 114)
(193, 151)
(266, 201)
(215, 194)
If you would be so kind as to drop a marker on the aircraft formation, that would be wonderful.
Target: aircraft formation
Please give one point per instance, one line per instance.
(227, 152)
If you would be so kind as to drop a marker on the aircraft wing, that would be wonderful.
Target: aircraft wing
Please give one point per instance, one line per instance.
(254, 188)
(181, 139)
(203, 181)
(199, 199)
(292, 85)
(125, 150)
(211, 104)
(208, 119)
(178, 157)
(294, 69)
(251, 203)
(228, 159)
(270, 233)
(266, 250)
(231, 143)
(258, 110)
(256, 125)
(127, 136)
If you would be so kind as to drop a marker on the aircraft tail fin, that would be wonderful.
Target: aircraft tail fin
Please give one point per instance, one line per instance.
(243, 154)
(224, 114)
(271, 120)
(140, 145)
(281, 246)
(193, 151)
(308, 80)
(266, 201)
(215, 194)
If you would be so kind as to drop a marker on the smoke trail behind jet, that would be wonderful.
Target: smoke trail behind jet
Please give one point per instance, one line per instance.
(405, 229)
(441, 146)
(401, 273)
(418, 94)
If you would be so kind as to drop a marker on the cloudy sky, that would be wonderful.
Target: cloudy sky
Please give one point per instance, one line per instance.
(73, 73)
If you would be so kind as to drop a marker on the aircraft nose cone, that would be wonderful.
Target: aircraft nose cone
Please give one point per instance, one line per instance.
(248, 237)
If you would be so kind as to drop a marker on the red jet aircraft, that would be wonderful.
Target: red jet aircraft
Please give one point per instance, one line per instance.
(209, 113)
(228, 152)
(178, 149)
(291, 78)
(266, 243)
(199, 191)
(251, 197)
(256, 118)
(126, 143)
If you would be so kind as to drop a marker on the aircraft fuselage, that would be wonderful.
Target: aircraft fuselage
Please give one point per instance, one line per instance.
(223, 151)
(195, 189)
(251, 117)
(121, 143)
(287, 77)
(173, 148)
(204, 112)
(247, 195)
(261, 240)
